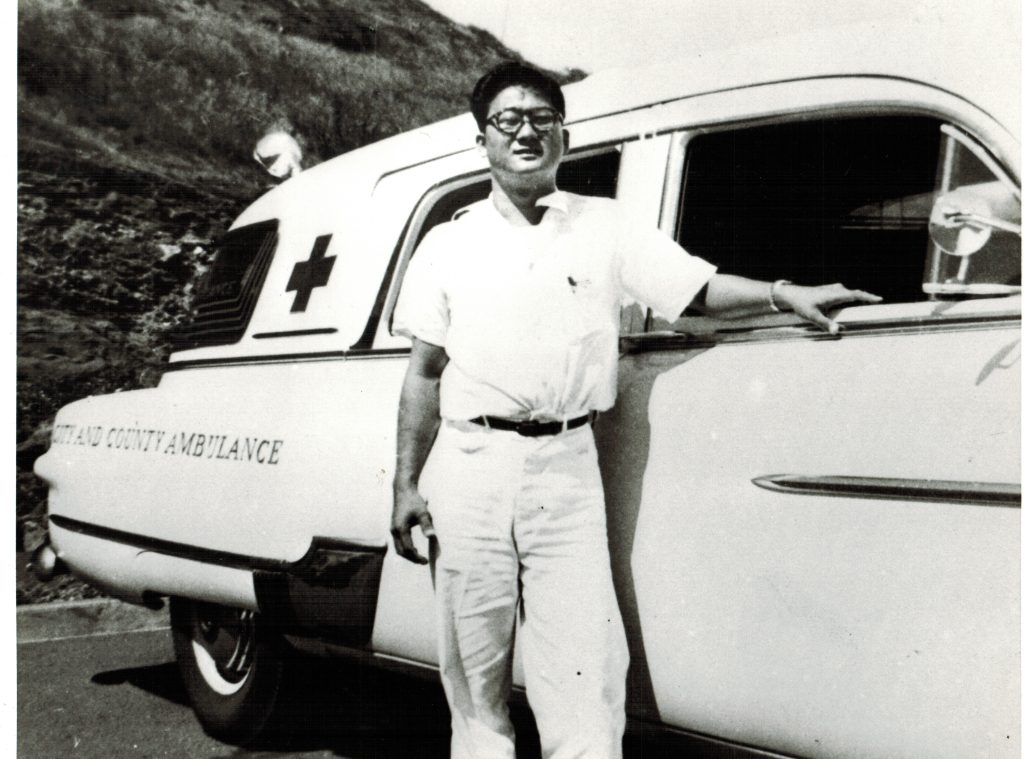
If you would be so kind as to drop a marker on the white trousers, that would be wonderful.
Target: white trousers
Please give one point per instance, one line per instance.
(521, 527)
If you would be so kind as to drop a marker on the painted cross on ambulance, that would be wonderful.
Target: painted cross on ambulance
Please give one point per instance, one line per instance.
(307, 275)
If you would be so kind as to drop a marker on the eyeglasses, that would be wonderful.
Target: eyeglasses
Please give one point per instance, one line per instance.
(511, 120)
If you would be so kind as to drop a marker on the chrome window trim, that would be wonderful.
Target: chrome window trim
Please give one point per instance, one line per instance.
(792, 329)
(981, 154)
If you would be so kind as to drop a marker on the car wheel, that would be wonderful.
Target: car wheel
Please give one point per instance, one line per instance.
(232, 667)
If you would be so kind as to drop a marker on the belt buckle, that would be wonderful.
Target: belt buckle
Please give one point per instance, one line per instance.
(528, 428)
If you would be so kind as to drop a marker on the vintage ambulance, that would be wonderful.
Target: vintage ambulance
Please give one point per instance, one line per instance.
(816, 539)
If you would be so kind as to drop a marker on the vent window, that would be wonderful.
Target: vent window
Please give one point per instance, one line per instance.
(226, 295)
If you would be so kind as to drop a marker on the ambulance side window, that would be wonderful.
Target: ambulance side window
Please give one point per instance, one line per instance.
(226, 295)
(596, 174)
(448, 205)
(593, 172)
(820, 201)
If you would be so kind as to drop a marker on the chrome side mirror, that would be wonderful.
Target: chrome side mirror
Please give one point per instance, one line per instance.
(962, 221)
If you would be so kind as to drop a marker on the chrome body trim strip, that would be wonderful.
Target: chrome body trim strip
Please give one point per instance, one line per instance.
(1003, 494)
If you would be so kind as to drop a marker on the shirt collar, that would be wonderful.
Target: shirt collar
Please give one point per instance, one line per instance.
(559, 200)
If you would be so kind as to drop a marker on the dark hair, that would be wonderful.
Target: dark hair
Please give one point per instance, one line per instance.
(510, 74)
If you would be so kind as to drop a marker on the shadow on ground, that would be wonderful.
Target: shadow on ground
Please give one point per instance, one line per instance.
(160, 679)
(360, 712)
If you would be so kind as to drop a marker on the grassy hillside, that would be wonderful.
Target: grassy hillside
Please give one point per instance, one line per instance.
(187, 87)
(137, 120)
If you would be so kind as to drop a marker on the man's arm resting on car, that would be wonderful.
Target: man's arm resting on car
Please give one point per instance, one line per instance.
(730, 297)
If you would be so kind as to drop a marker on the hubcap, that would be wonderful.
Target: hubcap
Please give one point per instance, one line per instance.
(223, 643)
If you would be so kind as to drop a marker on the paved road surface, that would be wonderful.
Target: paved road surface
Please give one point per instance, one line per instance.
(112, 693)
(119, 695)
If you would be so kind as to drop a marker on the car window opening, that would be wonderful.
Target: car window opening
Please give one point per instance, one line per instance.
(830, 200)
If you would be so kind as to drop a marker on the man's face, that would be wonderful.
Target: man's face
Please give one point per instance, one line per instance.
(528, 156)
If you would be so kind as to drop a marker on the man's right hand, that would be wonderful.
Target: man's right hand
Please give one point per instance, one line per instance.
(409, 511)
(418, 422)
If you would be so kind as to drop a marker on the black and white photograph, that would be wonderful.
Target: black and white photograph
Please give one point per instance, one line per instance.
(439, 379)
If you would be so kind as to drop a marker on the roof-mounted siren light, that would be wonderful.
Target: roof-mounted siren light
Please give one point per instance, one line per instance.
(279, 154)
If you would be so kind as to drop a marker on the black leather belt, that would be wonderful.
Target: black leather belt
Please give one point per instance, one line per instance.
(532, 427)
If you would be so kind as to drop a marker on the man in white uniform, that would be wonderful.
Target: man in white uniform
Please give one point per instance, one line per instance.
(513, 310)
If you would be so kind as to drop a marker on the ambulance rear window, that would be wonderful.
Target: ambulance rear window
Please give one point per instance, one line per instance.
(226, 295)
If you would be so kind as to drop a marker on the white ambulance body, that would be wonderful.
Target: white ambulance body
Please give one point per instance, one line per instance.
(816, 539)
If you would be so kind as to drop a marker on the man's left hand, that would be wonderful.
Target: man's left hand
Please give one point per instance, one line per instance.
(814, 303)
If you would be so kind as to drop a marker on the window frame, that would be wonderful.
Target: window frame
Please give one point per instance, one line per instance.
(951, 134)
(946, 109)
(383, 337)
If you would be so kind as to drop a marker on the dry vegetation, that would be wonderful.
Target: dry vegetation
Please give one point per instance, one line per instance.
(187, 87)
(137, 120)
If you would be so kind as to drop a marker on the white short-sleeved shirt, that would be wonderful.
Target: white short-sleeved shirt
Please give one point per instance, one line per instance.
(529, 316)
